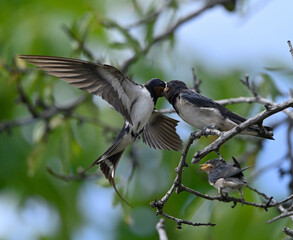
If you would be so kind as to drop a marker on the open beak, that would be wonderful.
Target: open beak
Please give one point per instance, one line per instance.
(165, 91)
(205, 167)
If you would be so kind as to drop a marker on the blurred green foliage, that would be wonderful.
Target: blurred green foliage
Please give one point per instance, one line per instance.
(52, 27)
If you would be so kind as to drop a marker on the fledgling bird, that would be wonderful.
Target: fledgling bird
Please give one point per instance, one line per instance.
(135, 102)
(201, 112)
(225, 177)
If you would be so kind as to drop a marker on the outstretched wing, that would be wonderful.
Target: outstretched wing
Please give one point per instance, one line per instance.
(102, 80)
(160, 132)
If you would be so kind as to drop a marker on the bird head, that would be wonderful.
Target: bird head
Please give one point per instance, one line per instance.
(211, 164)
(156, 88)
(173, 88)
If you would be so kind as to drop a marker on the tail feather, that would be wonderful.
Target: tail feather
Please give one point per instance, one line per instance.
(108, 167)
(266, 132)
(237, 164)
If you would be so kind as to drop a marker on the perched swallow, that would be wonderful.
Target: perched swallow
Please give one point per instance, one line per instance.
(201, 112)
(225, 177)
(135, 102)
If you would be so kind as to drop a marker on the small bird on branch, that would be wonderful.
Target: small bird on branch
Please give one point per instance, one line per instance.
(225, 177)
(202, 112)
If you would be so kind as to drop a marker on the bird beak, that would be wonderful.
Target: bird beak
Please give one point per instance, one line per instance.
(165, 91)
(205, 167)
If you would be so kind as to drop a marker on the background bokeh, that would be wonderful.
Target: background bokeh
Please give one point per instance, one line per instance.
(222, 46)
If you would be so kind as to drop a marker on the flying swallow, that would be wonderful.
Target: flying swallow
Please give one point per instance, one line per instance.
(225, 177)
(135, 102)
(201, 112)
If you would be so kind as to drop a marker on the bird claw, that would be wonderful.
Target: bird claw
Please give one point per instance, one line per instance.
(206, 131)
(242, 197)
(223, 195)
(261, 128)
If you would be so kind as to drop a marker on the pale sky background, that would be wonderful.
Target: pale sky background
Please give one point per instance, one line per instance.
(250, 40)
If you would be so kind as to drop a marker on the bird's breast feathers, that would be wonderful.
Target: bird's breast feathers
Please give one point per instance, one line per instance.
(141, 109)
(229, 184)
(198, 117)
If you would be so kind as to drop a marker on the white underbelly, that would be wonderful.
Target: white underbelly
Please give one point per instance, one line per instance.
(201, 117)
(141, 111)
(228, 186)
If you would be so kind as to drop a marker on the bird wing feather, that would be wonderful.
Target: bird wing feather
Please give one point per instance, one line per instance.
(99, 79)
(160, 132)
(201, 101)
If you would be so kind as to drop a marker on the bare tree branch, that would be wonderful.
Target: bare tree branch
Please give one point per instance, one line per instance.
(45, 115)
(283, 215)
(288, 231)
(25, 100)
(161, 229)
(228, 199)
(150, 17)
(252, 100)
(247, 83)
(177, 185)
(196, 81)
(181, 221)
(290, 48)
(78, 177)
(169, 32)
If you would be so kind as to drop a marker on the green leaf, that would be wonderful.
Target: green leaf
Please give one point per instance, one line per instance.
(39, 132)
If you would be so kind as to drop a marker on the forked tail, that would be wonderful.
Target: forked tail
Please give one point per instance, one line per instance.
(108, 167)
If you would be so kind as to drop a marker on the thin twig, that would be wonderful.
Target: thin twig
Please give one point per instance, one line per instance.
(265, 196)
(159, 204)
(227, 199)
(290, 48)
(51, 111)
(283, 215)
(288, 231)
(26, 101)
(264, 169)
(247, 83)
(275, 203)
(169, 32)
(181, 221)
(81, 44)
(196, 81)
(78, 177)
(160, 226)
(252, 100)
(177, 220)
(150, 17)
